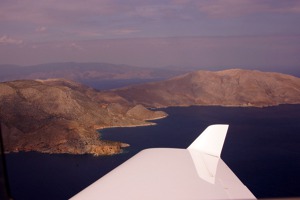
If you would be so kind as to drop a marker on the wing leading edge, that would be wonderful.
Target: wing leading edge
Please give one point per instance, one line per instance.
(197, 172)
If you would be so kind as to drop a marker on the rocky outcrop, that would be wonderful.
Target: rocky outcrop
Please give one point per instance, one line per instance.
(59, 116)
(227, 88)
(140, 112)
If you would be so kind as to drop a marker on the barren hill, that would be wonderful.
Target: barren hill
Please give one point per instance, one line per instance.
(59, 116)
(234, 87)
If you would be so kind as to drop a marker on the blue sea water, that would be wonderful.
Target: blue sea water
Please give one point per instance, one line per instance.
(262, 148)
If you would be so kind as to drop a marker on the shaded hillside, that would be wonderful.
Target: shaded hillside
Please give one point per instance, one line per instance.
(228, 88)
(59, 116)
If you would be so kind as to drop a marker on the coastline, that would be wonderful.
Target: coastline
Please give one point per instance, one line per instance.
(96, 147)
(146, 123)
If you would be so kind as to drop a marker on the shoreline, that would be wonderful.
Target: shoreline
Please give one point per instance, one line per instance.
(147, 123)
(122, 145)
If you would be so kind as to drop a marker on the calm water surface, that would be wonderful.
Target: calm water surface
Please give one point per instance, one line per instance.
(262, 148)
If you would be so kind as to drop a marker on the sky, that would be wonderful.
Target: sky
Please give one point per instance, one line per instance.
(151, 33)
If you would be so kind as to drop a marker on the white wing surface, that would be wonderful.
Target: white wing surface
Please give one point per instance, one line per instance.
(165, 173)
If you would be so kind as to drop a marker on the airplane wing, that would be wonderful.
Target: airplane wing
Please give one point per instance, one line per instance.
(197, 172)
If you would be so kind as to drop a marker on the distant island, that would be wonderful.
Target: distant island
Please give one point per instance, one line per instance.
(234, 87)
(62, 116)
(85, 72)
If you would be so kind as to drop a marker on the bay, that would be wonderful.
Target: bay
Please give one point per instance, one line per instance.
(262, 148)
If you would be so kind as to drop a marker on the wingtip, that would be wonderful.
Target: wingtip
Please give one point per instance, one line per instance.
(211, 140)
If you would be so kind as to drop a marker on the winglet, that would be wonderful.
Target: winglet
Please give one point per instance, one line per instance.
(211, 140)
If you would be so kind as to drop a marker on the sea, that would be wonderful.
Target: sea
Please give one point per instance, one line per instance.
(262, 148)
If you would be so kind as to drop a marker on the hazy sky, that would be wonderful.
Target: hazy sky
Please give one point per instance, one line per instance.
(151, 33)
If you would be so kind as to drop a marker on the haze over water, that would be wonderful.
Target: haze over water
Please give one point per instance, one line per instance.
(262, 149)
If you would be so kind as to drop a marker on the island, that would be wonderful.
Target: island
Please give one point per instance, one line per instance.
(63, 116)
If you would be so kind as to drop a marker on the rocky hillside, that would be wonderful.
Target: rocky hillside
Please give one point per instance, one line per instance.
(227, 88)
(59, 116)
